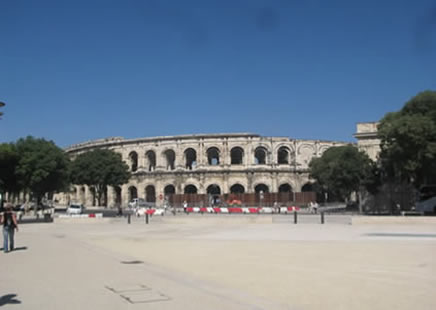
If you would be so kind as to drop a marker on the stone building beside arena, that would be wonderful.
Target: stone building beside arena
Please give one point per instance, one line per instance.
(367, 139)
(208, 164)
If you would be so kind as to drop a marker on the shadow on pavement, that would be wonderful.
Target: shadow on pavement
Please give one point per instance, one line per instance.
(35, 220)
(9, 299)
(20, 248)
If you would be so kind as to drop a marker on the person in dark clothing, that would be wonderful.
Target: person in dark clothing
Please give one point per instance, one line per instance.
(9, 222)
(120, 210)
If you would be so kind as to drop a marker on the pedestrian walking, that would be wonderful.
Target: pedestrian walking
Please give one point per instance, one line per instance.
(9, 222)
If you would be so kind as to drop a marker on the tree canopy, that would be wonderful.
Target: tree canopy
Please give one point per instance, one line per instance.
(408, 141)
(98, 169)
(42, 166)
(343, 170)
(8, 165)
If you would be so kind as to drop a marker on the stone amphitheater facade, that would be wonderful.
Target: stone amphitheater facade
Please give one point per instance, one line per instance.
(204, 164)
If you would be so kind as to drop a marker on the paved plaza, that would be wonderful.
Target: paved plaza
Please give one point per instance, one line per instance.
(220, 262)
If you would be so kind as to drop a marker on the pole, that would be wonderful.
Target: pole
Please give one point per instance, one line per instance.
(146, 218)
(295, 217)
(322, 217)
(128, 218)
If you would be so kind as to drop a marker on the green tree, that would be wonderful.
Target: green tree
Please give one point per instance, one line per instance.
(42, 166)
(99, 169)
(8, 165)
(343, 170)
(408, 141)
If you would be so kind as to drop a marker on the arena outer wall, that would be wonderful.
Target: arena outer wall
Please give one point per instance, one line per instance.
(203, 163)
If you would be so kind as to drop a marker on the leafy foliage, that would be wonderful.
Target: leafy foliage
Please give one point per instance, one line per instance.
(42, 166)
(8, 164)
(408, 141)
(98, 169)
(343, 170)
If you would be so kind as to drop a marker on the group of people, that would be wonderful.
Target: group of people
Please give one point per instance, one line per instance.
(9, 222)
(313, 207)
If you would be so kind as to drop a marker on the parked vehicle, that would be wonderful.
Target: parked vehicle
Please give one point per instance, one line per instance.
(75, 209)
(427, 199)
(134, 203)
(138, 202)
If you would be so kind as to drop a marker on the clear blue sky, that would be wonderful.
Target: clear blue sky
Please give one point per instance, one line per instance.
(72, 71)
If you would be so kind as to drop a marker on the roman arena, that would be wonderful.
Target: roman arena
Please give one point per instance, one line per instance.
(205, 164)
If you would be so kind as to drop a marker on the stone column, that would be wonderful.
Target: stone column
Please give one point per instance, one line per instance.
(225, 189)
(249, 161)
(88, 196)
(200, 155)
(110, 197)
(125, 195)
(274, 185)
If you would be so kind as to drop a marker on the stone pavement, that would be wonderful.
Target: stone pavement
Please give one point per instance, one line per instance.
(201, 264)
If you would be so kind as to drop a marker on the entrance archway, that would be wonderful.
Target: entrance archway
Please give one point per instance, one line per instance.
(190, 189)
(261, 188)
(150, 194)
(285, 188)
(237, 189)
(133, 193)
(169, 190)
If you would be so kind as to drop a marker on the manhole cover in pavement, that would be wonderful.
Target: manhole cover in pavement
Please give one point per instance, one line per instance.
(132, 262)
(136, 294)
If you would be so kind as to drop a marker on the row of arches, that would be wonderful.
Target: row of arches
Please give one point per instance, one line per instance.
(213, 189)
(149, 192)
(213, 155)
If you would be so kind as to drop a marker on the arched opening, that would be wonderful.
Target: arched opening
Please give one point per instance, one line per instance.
(190, 158)
(170, 158)
(237, 156)
(261, 188)
(237, 189)
(285, 188)
(214, 192)
(117, 195)
(283, 156)
(133, 161)
(151, 160)
(285, 193)
(190, 189)
(213, 189)
(169, 190)
(260, 156)
(150, 194)
(308, 187)
(213, 156)
(133, 193)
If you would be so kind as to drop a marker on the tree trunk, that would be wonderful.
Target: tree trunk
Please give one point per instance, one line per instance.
(359, 194)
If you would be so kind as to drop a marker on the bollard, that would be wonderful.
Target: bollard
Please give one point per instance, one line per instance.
(146, 218)
(322, 217)
(128, 218)
(295, 217)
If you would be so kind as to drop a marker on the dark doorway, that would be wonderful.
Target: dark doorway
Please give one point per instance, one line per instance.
(237, 189)
(190, 189)
(150, 194)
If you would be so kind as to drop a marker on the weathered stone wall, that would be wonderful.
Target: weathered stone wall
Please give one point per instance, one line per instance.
(368, 140)
(202, 174)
